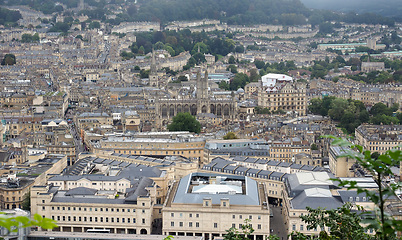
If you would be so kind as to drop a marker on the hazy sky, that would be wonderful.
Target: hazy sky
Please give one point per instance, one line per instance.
(383, 7)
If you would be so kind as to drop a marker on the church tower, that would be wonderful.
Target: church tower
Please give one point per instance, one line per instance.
(153, 74)
(202, 85)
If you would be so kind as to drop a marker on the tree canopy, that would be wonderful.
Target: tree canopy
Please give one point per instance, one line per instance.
(9, 59)
(230, 135)
(9, 16)
(351, 113)
(184, 122)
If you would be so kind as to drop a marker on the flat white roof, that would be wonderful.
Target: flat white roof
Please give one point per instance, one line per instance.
(217, 188)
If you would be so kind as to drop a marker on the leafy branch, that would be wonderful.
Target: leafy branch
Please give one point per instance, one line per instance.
(12, 224)
(379, 167)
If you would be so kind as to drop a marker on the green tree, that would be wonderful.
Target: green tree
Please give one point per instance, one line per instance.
(254, 75)
(314, 146)
(200, 45)
(232, 60)
(259, 64)
(379, 109)
(182, 78)
(94, 24)
(260, 110)
(338, 107)
(13, 223)
(384, 225)
(232, 68)
(239, 81)
(26, 203)
(326, 28)
(9, 59)
(230, 135)
(343, 223)
(224, 85)
(239, 234)
(199, 58)
(239, 49)
(184, 122)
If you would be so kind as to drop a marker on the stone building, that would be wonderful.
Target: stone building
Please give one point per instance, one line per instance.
(279, 92)
(155, 144)
(120, 198)
(167, 108)
(207, 204)
(378, 138)
(372, 66)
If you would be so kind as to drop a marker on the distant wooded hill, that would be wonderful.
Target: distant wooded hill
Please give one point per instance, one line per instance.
(389, 8)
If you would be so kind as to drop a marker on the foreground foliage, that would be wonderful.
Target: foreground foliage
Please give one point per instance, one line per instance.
(343, 222)
(12, 224)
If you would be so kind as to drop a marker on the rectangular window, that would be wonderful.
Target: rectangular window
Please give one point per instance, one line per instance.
(107, 219)
(143, 221)
(301, 227)
(190, 224)
(215, 225)
(172, 224)
(259, 226)
(197, 224)
(197, 215)
(234, 216)
(180, 224)
(172, 214)
(133, 220)
(190, 215)
(233, 225)
(294, 227)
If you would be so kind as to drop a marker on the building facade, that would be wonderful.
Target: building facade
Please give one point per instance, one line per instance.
(207, 204)
(224, 108)
(279, 92)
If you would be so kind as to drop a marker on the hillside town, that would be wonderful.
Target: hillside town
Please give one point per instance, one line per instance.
(87, 114)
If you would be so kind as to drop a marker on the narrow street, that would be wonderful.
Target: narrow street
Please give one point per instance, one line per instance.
(278, 223)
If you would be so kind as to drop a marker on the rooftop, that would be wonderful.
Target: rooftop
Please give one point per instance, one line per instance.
(240, 190)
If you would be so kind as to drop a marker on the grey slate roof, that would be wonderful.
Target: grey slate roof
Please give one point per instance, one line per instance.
(318, 199)
(81, 191)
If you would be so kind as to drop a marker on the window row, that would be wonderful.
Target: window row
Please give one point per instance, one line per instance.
(90, 209)
(197, 225)
(97, 219)
(197, 215)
